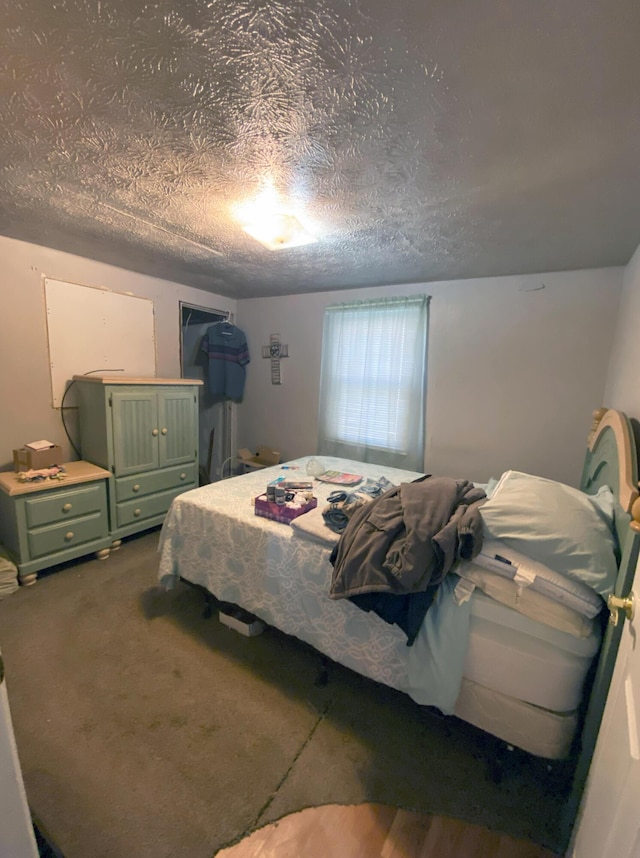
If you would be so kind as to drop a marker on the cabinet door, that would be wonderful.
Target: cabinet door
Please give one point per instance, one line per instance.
(135, 431)
(177, 413)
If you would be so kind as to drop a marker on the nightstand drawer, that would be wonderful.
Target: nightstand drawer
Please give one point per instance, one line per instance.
(129, 488)
(146, 507)
(58, 537)
(59, 505)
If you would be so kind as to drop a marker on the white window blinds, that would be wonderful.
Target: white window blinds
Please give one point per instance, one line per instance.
(373, 382)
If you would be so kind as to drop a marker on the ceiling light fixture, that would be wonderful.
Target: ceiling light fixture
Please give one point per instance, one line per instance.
(278, 231)
(271, 222)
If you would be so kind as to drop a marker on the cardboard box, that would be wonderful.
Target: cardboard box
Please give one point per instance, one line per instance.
(264, 458)
(284, 513)
(24, 459)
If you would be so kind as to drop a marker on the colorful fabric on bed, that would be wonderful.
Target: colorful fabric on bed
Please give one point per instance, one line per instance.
(211, 537)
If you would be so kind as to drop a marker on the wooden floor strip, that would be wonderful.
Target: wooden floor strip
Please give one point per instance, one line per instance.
(377, 831)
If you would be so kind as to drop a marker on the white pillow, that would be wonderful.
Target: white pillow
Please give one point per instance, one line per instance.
(555, 524)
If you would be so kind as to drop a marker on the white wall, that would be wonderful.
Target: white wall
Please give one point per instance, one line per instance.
(623, 382)
(513, 373)
(514, 370)
(25, 386)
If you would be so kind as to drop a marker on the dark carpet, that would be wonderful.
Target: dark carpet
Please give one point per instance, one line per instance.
(146, 730)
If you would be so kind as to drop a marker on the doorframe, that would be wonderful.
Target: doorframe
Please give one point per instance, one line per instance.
(228, 427)
(186, 305)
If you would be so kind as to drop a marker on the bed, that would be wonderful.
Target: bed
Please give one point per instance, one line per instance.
(528, 664)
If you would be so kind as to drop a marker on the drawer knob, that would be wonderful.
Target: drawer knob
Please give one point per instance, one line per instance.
(137, 512)
(164, 431)
(136, 488)
(67, 507)
(68, 536)
(154, 432)
(183, 476)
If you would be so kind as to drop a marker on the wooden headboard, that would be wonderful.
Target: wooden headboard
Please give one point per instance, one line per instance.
(612, 460)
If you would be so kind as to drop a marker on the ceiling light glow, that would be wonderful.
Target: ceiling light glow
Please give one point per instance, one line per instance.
(269, 220)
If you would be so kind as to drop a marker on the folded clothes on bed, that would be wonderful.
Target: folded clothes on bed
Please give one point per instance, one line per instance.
(342, 504)
(325, 524)
(312, 525)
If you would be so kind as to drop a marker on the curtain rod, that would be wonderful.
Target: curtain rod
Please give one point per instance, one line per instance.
(409, 299)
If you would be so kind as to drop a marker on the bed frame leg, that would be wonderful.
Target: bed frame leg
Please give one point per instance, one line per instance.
(322, 677)
(500, 763)
(208, 608)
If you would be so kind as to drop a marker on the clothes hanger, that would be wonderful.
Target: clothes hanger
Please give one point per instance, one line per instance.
(224, 327)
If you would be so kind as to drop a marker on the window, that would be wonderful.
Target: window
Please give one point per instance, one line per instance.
(373, 383)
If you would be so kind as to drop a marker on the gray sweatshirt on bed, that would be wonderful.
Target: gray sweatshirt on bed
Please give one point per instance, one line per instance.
(409, 538)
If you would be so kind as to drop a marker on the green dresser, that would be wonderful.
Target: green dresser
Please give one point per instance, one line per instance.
(49, 522)
(145, 433)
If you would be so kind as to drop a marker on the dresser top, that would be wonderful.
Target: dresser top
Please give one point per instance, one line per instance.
(123, 379)
(75, 472)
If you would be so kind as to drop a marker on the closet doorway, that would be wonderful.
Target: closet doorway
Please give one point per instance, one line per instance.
(215, 413)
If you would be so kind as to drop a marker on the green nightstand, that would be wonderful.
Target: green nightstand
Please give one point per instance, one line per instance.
(51, 521)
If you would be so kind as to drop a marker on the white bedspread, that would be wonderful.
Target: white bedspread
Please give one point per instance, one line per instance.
(212, 537)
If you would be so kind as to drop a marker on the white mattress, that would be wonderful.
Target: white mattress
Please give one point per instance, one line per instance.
(538, 731)
(521, 658)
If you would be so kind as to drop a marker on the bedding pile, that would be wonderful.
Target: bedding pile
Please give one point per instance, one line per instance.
(397, 549)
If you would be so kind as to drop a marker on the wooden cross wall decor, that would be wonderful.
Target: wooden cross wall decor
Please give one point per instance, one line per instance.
(274, 351)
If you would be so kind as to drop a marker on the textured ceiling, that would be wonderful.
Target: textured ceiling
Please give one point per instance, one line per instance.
(422, 139)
